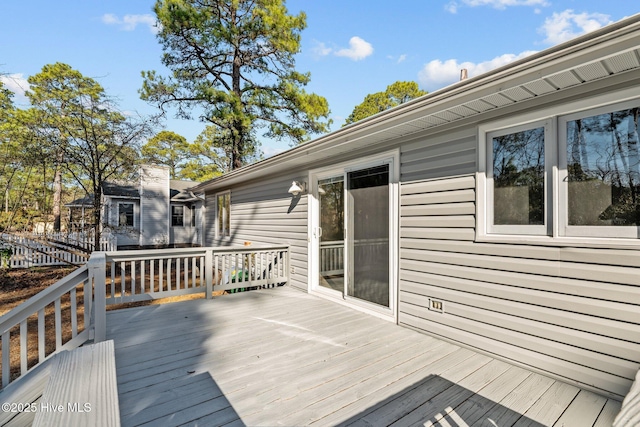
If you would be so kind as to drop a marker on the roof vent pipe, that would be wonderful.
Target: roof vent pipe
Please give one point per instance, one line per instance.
(463, 74)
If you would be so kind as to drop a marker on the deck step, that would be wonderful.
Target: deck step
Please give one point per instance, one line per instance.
(82, 389)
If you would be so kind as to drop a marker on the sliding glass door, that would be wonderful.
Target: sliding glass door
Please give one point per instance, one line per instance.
(352, 234)
(368, 234)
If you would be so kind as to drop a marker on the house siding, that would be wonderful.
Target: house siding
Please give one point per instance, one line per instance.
(565, 311)
(154, 206)
(263, 213)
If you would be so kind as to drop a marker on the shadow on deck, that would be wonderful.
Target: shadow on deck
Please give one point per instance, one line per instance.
(283, 357)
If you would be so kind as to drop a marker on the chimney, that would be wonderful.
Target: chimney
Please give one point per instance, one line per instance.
(463, 74)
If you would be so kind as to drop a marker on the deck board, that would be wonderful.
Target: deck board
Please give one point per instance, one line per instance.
(283, 357)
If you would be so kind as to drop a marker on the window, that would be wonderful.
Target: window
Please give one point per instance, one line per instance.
(569, 176)
(600, 172)
(223, 215)
(177, 216)
(193, 216)
(517, 180)
(125, 214)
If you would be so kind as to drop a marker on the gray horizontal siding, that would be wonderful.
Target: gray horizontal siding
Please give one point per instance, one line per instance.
(449, 154)
(569, 312)
(264, 213)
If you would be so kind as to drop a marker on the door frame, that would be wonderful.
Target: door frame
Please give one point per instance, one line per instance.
(392, 158)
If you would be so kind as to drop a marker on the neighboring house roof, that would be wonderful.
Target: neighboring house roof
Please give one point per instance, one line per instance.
(607, 53)
(177, 189)
(118, 189)
(81, 202)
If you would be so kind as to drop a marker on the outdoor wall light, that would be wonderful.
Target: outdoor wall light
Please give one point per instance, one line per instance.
(297, 188)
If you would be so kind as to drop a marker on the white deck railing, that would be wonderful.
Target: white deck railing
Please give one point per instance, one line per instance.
(73, 310)
(34, 250)
(56, 319)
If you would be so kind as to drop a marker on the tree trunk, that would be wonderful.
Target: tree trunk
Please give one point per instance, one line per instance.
(57, 198)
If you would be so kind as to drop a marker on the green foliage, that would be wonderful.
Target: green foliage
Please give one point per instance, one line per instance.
(82, 128)
(169, 149)
(395, 94)
(233, 62)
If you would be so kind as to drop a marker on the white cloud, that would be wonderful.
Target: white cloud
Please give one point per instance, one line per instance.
(454, 5)
(437, 73)
(320, 49)
(567, 25)
(130, 22)
(358, 49)
(17, 84)
(269, 151)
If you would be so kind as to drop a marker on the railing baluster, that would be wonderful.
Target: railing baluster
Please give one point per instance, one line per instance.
(186, 273)
(133, 278)
(23, 347)
(74, 313)
(123, 279)
(152, 287)
(193, 272)
(58, 323)
(41, 336)
(6, 361)
(169, 262)
(113, 279)
(142, 269)
(177, 273)
(161, 268)
(87, 300)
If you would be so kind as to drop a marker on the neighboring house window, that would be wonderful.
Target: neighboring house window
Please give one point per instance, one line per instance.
(177, 216)
(582, 180)
(193, 216)
(223, 215)
(125, 214)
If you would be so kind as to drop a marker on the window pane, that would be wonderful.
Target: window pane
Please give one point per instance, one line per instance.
(518, 178)
(177, 216)
(125, 214)
(224, 215)
(603, 167)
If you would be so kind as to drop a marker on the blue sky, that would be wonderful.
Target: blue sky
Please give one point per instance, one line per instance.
(351, 47)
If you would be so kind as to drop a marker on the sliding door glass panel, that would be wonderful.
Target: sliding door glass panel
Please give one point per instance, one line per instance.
(331, 197)
(368, 234)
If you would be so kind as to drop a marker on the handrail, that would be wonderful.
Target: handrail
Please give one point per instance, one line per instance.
(130, 276)
(42, 299)
(18, 317)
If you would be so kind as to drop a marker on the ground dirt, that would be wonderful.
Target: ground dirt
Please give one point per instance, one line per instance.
(18, 285)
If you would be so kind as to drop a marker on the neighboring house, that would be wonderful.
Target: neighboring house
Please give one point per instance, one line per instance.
(500, 213)
(155, 212)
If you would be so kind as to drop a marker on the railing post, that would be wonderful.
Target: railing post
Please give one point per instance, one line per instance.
(208, 272)
(98, 272)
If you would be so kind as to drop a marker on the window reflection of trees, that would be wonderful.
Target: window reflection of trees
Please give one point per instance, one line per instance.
(518, 177)
(332, 209)
(604, 169)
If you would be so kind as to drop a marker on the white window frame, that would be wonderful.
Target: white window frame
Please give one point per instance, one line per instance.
(392, 158)
(540, 230)
(183, 215)
(133, 214)
(622, 232)
(220, 222)
(559, 234)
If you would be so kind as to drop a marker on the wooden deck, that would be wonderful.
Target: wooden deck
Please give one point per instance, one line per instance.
(282, 357)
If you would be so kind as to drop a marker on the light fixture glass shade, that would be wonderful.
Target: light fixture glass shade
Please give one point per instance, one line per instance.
(296, 188)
